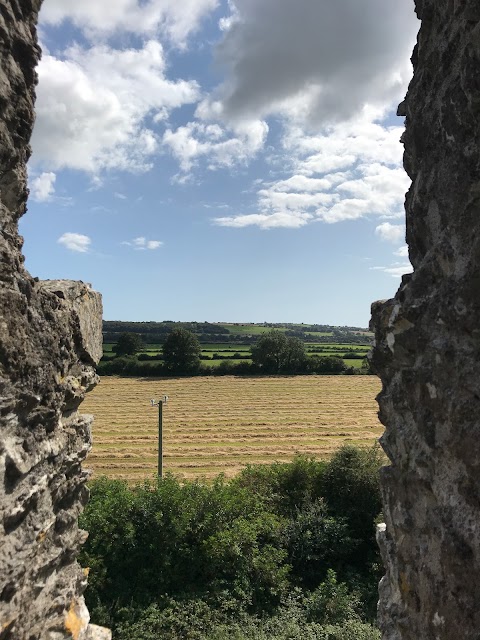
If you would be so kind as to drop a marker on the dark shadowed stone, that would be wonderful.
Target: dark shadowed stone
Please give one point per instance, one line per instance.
(427, 350)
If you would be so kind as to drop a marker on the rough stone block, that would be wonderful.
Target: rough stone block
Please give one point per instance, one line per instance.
(50, 341)
(427, 345)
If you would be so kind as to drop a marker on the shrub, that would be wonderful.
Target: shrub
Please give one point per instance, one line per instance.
(352, 489)
(256, 557)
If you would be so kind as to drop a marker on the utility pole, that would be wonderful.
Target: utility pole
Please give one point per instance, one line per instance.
(160, 404)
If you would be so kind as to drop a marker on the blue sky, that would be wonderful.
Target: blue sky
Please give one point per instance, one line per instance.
(222, 160)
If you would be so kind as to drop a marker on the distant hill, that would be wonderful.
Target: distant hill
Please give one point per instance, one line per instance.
(237, 333)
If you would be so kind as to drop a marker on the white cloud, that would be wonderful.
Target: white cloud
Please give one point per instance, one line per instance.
(303, 184)
(215, 205)
(402, 252)
(75, 242)
(331, 72)
(378, 190)
(391, 232)
(328, 71)
(285, 219)
(142, 244)
(227, 22)
(395, 233)
(396, 270)
(100, 208)
(362, 139)
(120, 196)
(175, 19)
(153, 244)
(271, 199)
(217, 146)
(92, 108)
(321, 60)
(344, 173)
(42, 187)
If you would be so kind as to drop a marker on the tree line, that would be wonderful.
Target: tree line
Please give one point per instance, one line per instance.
(156, 332)
(274, 352)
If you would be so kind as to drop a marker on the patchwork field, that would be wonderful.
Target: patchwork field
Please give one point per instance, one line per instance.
(214, 425)
(213, 354)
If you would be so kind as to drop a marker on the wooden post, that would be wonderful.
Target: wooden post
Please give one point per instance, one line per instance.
(160, 439)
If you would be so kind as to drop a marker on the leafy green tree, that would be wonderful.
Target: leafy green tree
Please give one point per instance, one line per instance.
(332, 602)
(295, 355)
(366, 369)
(315, 541)
(326, 364)
(268, 352)
(284, 487)
(274, 352)
(351, 487)
(246, 559)
(181, 351)
(127, 344)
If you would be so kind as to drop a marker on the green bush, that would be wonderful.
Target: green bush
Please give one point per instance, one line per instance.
(196, 620)
(351, 488)
(316, 542)
(285, 487)
(280, 547)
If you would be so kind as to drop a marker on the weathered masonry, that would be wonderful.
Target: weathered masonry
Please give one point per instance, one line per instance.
(427, 354)
(50, 341)
(428, 346)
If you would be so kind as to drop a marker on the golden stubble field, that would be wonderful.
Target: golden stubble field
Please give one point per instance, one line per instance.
(220, 424)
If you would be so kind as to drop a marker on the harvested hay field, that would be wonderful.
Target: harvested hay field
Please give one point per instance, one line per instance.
(220, 424)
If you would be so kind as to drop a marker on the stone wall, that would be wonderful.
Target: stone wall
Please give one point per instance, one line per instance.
(50, 341)
(427, 354)
(428, 346)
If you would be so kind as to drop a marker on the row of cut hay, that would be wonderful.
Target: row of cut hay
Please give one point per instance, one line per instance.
(214, 425)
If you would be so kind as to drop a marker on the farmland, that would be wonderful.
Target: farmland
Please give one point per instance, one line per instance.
(213, 354)
(220, 424)
(233, 341)
(226, 350)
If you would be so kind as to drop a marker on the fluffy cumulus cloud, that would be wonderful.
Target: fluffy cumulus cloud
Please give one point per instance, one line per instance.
(338, 147)
(291, 220)
(313, 65)
(42, 188)
(174, 18)
(347, 172)
(94, 105)
(143, 244)
(402, 252)
(323, 60)
(213, 143)
(75, 242)
(394, 233)
(330, 71)
(325, 72)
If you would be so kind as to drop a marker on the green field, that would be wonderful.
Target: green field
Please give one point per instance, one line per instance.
(215, 363)
(250, 329)
(228, 349)
(241, 343)
(353, 362)
(319, 333)
(236, 346)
